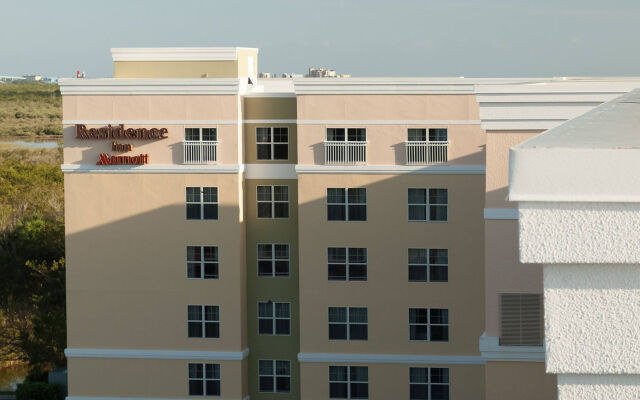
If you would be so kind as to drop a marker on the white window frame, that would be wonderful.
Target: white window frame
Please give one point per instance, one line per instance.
(348, 381)
(202, 203)
(273, 202)
(274, 376)
(428, 265)
(427, 206)
(273, 318)
(428, 384)
(204, 379)
(346, 204)
(272, 143)
(202, 262)
(348, 264)
(429, 324)
(203, 321)
(348, 323)
(273, 260)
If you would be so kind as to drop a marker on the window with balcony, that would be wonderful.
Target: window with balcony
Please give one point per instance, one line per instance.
(348, 323)
(274, 376)
(348, 382)
(204, 379)
(273, 201)
(347, 204)
(428, 265)
(424, 147)
(428, 383)
(203, 321)
(521, 319)
(200, 145)
(202, 262)
(429, 324)
(273, 260)
(428, 205)
(272, 143)
(345, 146)
(347, 264)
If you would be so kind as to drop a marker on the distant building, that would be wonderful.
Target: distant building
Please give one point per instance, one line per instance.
(32, 78)
(321, 73)
(291, 75)
(265, 75)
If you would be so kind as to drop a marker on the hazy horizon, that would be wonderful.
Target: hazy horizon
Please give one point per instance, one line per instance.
(481, 38)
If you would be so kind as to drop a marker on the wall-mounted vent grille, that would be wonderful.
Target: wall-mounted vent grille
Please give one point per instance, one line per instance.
(521, 319)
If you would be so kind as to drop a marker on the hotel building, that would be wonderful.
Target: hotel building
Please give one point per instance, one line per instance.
(312, 238)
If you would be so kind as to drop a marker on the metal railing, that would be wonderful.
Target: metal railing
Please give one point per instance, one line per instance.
(200, 152)
(345, 153)
(426, 153)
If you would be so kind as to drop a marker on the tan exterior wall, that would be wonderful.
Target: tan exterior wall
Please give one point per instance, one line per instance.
(391, 381)
(270, 108)
(387, 235)
(178, 69)
(127, 378)
(388, 107)
(387, 143)
(498, 145)
(126, 262)
(504, 273)
(153, 108)
(519, 380)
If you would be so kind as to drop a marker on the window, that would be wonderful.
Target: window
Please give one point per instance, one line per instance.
(203, 321)
(273, 201)
(420, 135)
(348, 323)
(200, 134)
(347, 264)
(348, 382)
(429, 324)
(202, 262)
(521, 319)
(347, 204)
(428, 204)
(272, 143)
(428, 265)
(273, 260)
(202, 203)
(274, 376)
(204, 379)
(274, 318)
(428, 383)
(352, 134)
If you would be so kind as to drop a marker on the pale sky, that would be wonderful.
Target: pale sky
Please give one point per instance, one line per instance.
(472, 38)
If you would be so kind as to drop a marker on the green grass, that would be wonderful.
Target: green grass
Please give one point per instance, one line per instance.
(30, 109)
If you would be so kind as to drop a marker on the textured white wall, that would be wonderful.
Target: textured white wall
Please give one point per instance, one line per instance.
(592, 319)
(590, 233)
(599, 387)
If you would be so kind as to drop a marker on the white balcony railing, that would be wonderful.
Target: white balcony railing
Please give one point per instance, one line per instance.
(200, 152)
(426, 153)
(345, 153)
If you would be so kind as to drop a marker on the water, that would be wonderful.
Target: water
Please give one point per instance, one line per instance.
(34, 145)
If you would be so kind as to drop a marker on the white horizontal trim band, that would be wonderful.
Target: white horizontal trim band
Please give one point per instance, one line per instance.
(270, 171)
(392, 169)
(500, 213)
(114, 86)
(150, 122)
(152, 169)
(269, 121)
(389, 122)
(158, 354)
(177, 53)
(390, 358)
(492, 351)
